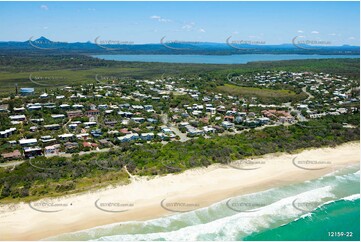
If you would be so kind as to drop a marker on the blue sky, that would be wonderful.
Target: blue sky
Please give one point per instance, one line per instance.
(148, 22)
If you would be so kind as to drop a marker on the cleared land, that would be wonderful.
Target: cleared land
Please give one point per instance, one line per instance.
(266, 95)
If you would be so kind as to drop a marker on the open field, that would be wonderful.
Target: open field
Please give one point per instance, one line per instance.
(55, 78)
(268, 94)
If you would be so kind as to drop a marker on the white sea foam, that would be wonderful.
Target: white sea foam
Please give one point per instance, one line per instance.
(352, 197)
(239, 224)
(217, 222)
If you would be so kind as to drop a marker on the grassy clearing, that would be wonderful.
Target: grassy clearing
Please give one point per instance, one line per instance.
(61, 77)
(263, 94)
(254, 91)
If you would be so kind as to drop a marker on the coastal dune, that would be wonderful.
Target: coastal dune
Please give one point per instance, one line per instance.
(146, 198)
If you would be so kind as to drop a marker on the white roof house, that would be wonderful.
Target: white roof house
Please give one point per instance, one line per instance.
(7, 132)
(64, 136)
(58, 116)
(17, 117)
(90, 123)
(27, 141)
(227, 124)
(128, 137)
(19, 109)
(44, 95)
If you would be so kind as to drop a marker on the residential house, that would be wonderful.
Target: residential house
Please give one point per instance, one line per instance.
(193, 131)
(47, 139)
(147, 136)
(28, 142)
(18, 117)
(19, 110)
(229, 118)
(58, 116)
(138, 119)
(125, 131)
(73, 114)
(71, 146)
(37, 120)
(93, 112)
(77, 106)
(90, 123)
(263, 120)
(44, 95)
(66, 136)
(30, 152)
(209, 129)
(152, 120)
(183, 124)
(12, 155)
(64, 106)
(227, 125)
(129, 137)
(4, 108)
(26, 91)
(89, 145)
(7, 132)
(36, 106)
(82, 136)
(125, 114)
(96, 133)
(52, 126)
(52, 149)
(167, 130)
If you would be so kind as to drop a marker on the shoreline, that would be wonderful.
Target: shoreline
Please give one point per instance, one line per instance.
(142, 198)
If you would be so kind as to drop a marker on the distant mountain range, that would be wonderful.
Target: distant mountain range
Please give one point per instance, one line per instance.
(44, 45)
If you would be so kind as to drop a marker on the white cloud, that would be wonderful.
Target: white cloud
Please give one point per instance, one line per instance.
(190, 27)
(187, 27)
(160, 19)
(202, 30)
(352, 38)
(300, 31)
(315, 32)
(44, 7)
(333, 34)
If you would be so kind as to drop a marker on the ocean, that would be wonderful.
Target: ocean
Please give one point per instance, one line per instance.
(323, 224)
(327, 208)
(218, 59)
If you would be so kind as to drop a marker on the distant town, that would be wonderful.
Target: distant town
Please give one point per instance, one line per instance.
(95, 117)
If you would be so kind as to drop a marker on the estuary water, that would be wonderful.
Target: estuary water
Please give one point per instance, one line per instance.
(218, 59)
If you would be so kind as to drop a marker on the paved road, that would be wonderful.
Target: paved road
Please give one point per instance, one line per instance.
(309, 94)
(183, 136)
(11, 163)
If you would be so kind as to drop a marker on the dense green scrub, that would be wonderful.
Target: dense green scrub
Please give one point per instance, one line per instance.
(58, 175)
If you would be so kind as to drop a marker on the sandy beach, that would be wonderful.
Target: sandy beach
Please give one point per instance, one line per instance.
(148, 198)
